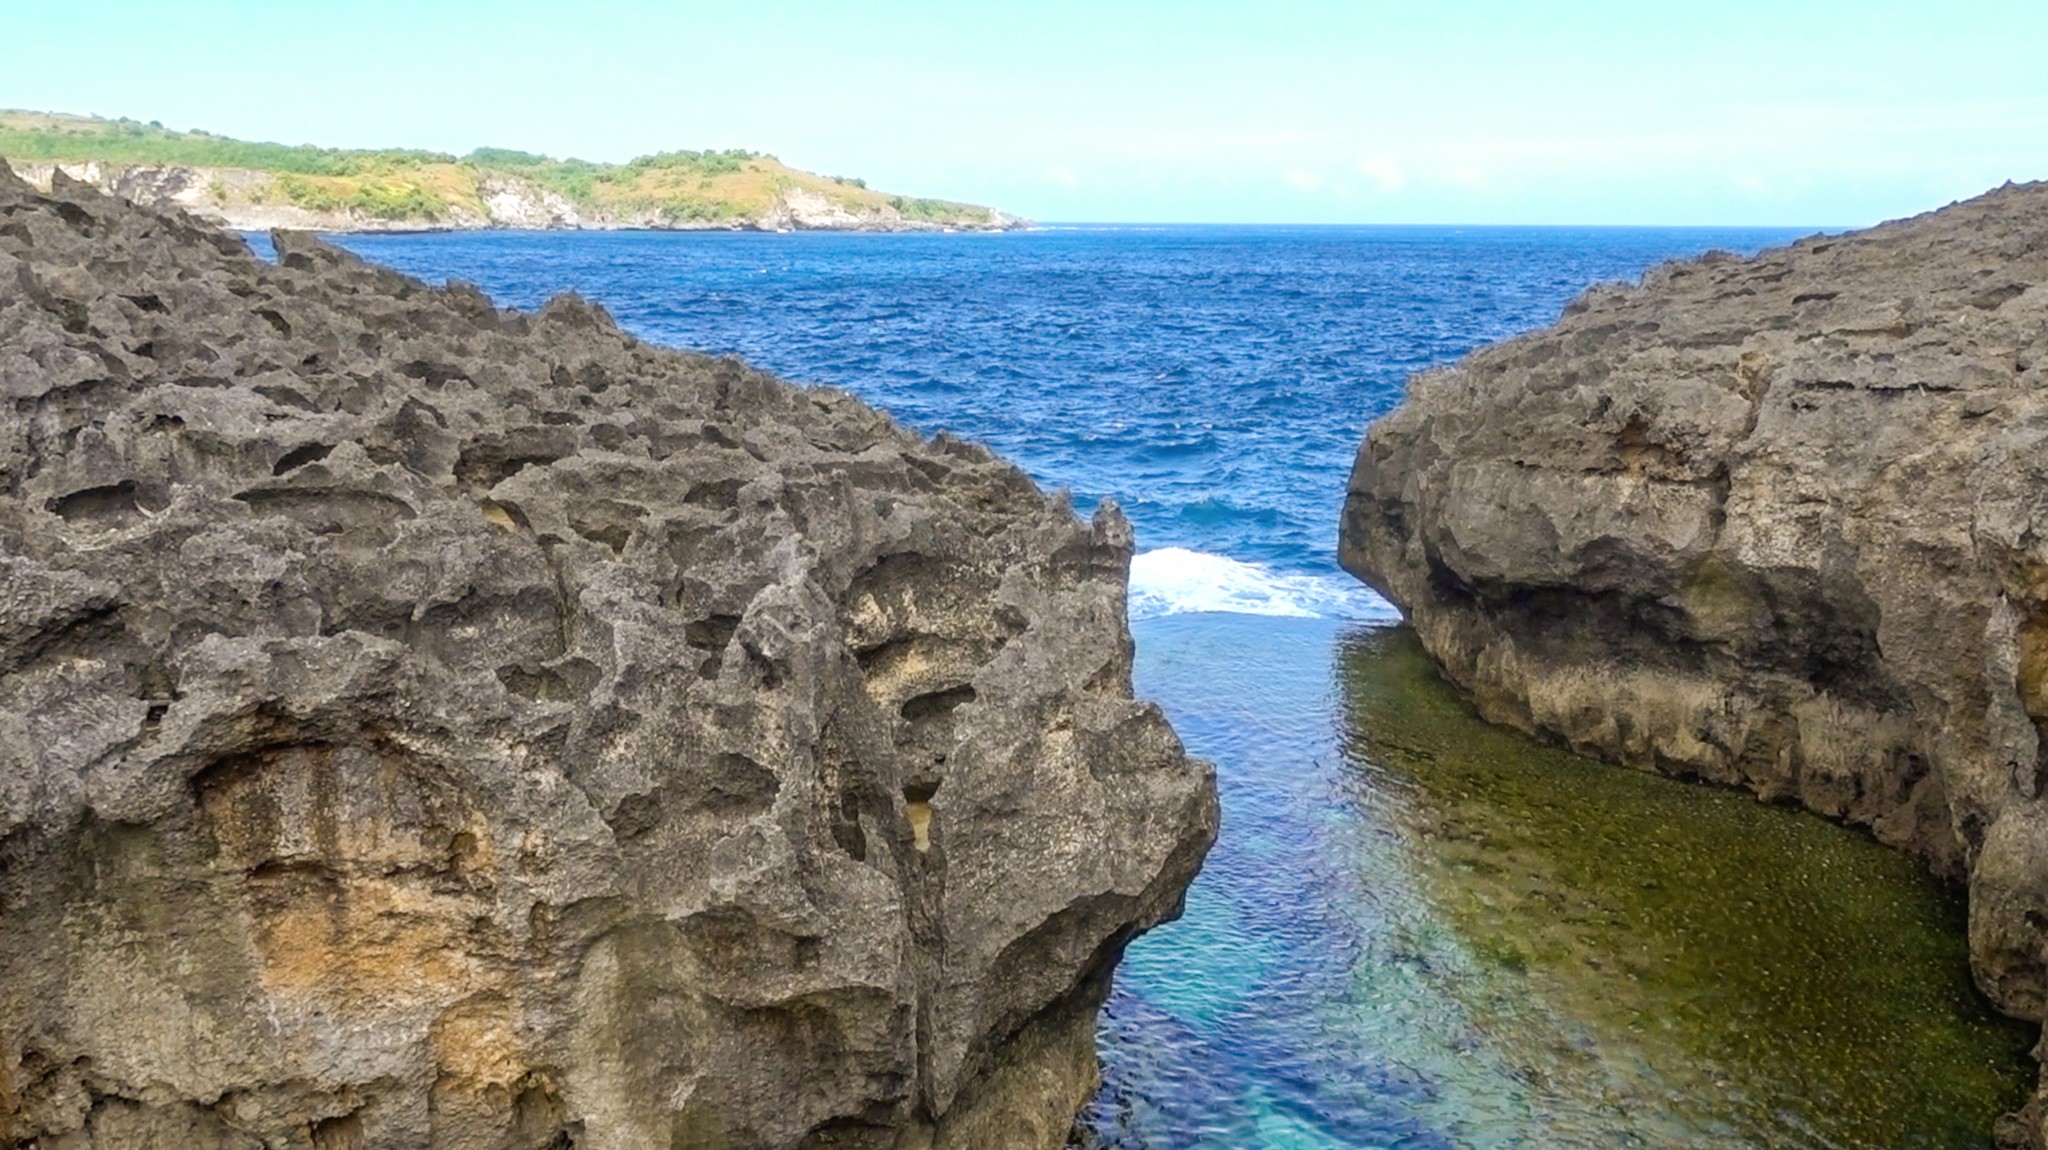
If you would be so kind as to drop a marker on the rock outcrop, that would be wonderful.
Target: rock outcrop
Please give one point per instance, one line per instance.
(429, 725)
(1779, 522)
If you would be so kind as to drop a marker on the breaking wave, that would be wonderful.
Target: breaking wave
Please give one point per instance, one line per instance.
(1177, 581)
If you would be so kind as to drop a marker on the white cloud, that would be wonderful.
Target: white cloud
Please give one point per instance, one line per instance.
(1384, 172)
(1063, 175)
(1303, 179)
(1465, 174)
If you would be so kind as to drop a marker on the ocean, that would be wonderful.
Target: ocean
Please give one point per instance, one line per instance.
(1415, 931)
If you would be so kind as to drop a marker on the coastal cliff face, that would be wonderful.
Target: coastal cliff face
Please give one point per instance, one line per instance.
(429, 725)
(1778, 522)
(251, 201)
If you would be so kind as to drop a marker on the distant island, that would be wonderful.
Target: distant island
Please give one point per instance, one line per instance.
(256, 186)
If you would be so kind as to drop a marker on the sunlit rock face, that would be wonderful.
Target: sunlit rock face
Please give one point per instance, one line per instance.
(428, 725)
(1779, 522)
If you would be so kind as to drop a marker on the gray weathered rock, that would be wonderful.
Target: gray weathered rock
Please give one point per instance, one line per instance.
(1779, 522)
(427, 725)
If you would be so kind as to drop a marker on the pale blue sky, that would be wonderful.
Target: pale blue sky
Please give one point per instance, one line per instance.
(1177, 110)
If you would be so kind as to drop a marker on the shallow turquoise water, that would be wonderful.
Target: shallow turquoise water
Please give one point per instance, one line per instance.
(1422, 931)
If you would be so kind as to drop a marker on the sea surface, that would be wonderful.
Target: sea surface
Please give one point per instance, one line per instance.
(1416, 931)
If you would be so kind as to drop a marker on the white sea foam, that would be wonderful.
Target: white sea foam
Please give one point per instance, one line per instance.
(1177, 581)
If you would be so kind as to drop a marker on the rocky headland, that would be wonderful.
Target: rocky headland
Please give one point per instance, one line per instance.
(423, 724)
(1779, 523)
(253, 186)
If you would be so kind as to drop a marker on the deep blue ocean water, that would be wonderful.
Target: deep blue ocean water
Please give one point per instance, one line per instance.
(1215, 381)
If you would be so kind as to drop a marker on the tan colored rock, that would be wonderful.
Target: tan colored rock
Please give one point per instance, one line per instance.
(429, 725)
(512, 203)
(1778, 522)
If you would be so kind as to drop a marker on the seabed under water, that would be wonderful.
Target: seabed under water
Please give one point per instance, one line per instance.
(1420, 930)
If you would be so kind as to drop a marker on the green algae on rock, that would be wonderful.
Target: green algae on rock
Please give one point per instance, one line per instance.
(1662, 964)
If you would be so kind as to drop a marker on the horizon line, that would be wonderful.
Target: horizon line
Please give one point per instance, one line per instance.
(1036, 223)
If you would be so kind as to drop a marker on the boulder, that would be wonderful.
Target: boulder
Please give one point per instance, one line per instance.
(1778, 522)
(423, 724)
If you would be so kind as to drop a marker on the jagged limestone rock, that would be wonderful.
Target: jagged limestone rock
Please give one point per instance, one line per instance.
(1778, 522)
(429, 725)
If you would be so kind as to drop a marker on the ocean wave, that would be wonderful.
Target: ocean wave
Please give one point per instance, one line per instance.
(1177, 581)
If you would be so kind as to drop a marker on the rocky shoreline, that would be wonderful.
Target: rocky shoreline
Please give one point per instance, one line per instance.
(430, 725)
(1779, 523)
(236, 199)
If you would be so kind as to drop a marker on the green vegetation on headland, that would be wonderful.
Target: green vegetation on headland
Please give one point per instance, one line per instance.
(237, 180)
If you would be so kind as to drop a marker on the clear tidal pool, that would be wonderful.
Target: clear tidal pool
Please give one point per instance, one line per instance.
(1419, 930)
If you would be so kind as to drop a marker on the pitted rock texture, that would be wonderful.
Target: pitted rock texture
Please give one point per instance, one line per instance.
(429, 725)
(1778, 522)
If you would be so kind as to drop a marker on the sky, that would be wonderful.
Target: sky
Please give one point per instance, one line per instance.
(1282, 111)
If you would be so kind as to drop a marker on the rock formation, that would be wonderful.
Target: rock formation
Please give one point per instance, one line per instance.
(1778, 522)
(429, 725)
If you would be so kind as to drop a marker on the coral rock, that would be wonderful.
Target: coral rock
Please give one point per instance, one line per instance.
(429, 725)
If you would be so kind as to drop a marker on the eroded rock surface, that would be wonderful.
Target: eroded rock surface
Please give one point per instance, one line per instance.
(428, 725)
(1779, 522)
